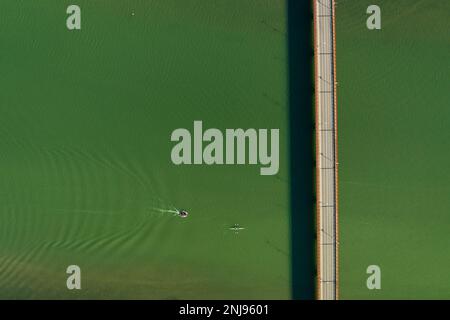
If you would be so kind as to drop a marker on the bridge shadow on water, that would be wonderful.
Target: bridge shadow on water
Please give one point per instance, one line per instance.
(301, 126)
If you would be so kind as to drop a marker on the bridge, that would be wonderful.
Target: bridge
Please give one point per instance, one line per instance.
(326, 149)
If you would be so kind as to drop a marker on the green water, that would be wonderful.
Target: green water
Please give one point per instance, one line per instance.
(85, 125)
(394, 150)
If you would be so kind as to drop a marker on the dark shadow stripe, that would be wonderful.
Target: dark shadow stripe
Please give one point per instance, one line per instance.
(301, 127)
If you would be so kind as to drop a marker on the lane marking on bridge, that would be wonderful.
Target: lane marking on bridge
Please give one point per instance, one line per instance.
(326, 149)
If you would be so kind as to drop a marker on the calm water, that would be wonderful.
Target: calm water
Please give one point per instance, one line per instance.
(85, 125)
(393, 147)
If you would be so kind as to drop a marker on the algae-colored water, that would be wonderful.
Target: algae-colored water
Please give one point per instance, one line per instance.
(393, 102)
(85, 125)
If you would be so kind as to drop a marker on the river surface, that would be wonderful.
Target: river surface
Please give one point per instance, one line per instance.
(85, 167)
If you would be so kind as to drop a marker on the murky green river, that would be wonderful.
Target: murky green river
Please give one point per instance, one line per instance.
(85, 167)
